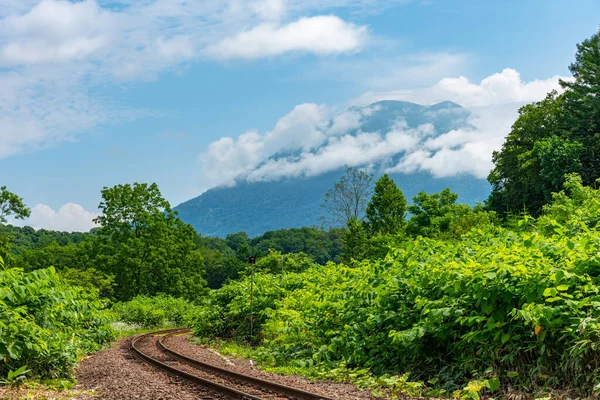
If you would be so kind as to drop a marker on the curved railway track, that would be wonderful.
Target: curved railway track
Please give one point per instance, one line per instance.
(151, 348)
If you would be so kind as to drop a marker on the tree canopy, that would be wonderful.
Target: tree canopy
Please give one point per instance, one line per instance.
(11, 205)
(551, 138)
(154, 251)
(386, 212)
(348, 198)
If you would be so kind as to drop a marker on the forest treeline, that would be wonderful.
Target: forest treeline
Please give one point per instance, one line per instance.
(423, 296)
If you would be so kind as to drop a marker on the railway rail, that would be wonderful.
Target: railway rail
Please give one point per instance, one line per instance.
(224, 382)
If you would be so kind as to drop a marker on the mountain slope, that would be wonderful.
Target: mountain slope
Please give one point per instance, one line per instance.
(259, 206)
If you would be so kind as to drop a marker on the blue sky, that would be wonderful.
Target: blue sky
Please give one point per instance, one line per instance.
(188, 94)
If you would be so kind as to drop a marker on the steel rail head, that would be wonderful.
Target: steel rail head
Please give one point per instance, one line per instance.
(268, 385)
(214, 386)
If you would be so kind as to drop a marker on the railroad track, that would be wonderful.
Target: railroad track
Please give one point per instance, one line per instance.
(151, 348)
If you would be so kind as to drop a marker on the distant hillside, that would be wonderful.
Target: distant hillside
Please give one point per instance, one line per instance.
(257, 207)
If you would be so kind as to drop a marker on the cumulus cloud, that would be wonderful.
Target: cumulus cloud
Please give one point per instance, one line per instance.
(55, 31)
(227, 157)
(305, 128)
(70, 217)
(500, 88)
(57, 55)
(354, 150)
(318, 139)
(319, 35)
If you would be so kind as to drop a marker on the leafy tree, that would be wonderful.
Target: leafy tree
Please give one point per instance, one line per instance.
(551, 138)
(582, 106)
(154, 251)
(240, 244)
(432, 214)
(515, 179)
(11, 204)
(355, 241)
(348, 198)
(275, 262)
(386, 211)
(323, 246)
(220, 268)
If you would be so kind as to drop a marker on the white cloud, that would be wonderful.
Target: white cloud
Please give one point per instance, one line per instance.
(361, 149)
(55, 53)
(70, 217)
(269, 9)
(321, 35)
(500, 88)
(55, 31)
(227, 157)
(322, 140)
(305, 128)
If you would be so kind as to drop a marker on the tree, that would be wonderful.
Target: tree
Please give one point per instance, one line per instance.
(348, 198)
(582, 106)
(240, 243)
(355, 241)
(433, 214)
(154, 251)
(11, 204)
(551, 138)
(515, 179)
(386, 211)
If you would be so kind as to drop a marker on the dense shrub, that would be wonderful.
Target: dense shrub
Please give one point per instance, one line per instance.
(226, 311)
(46, 324)
(521, 305)
(157, 311)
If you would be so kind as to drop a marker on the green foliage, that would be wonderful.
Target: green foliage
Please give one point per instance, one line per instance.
(582, 106)
(153, 251)
(551, 138)
(11, 204)
(355, 241)
(16, 377)
(492, 307)
(224, 260)
(277, 263)
(46, 323)
(322, 246)
(154, 312)
(226, 311)
(438, 215)
(349, 197)
(386, 212)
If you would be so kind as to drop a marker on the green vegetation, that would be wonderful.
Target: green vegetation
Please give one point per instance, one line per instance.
(151, 250)
(439, 298)
(551, 138)
(156, 312)
(46, 324)
(520, 306)
(431, 298)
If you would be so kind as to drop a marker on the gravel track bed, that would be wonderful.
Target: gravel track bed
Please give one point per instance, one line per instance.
(116, 374)
(181, 344)
(148, 347)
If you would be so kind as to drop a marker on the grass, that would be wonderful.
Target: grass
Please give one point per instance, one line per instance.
(123, 329)
(380, 387)
(55, 389)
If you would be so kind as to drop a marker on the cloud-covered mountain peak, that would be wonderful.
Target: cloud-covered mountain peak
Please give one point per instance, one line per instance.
(383, 116)
(286, 189)
(379, 134)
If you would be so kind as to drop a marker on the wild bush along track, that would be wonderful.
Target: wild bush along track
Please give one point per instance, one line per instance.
(229, 384)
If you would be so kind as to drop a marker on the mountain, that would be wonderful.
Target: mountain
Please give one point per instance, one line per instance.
(259, 206)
